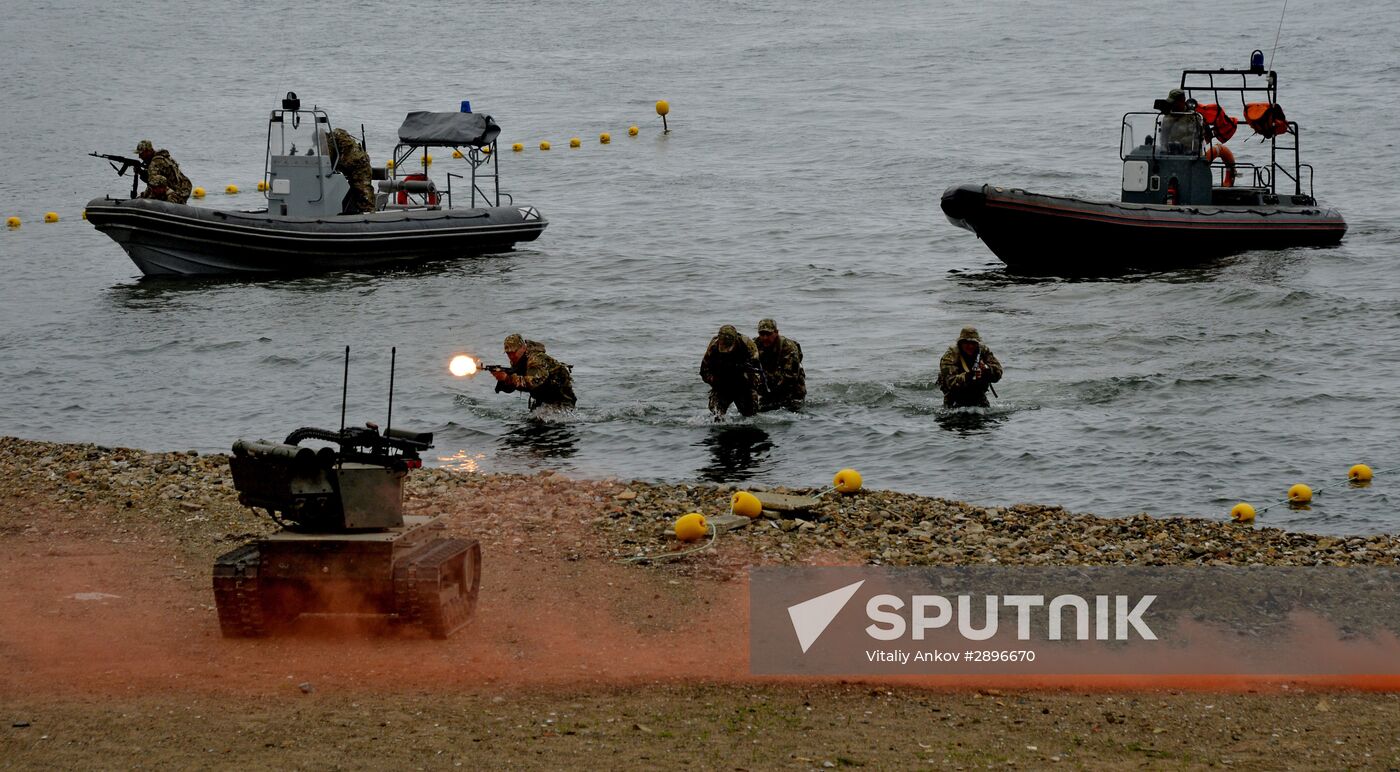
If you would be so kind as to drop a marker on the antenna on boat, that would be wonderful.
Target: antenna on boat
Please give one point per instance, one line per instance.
(344, 390)
(1277, 34)
(389, 421)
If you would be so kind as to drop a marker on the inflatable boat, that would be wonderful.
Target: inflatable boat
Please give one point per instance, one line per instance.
(1181, 203)
(303, 229)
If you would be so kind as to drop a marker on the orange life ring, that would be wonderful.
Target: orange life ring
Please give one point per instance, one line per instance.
(1228, 157)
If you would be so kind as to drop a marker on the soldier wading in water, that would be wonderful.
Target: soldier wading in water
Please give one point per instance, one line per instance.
(784, 381)
(730, 366)
(967, 370)
(547, 380)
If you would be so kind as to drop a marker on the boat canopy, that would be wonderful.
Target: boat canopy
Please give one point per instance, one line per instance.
(423, 128)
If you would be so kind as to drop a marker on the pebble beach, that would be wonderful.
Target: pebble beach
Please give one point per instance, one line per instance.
(191, 497)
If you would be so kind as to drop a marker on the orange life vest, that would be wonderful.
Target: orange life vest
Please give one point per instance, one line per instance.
(1266, 119)
(1222, 125)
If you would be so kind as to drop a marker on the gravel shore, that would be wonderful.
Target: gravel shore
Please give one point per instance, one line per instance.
(191, 498)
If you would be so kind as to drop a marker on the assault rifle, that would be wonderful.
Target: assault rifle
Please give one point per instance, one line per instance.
(977, 371)
(494, 368)
(126, 163)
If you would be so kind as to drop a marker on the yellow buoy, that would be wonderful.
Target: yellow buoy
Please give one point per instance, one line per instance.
(427, 159)
(691, 527)
(746, 504)
(197, 192)
(544, 145)
(846, 481)
(604, 138)
(231, 189)
(389, 164)
(1242, 513)
(1300, 494)
(663, 107)
(485, 149)
(458, 153)
(1359, 473)
(575, 142)
(84, 214)
(50, 216)
(632, 131)
(517, 147)
(11, 222)
(262, 185)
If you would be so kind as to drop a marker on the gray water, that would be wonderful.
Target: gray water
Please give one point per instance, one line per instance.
(810, 142)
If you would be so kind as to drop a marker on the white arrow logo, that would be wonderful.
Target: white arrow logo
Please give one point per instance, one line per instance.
(811, 617)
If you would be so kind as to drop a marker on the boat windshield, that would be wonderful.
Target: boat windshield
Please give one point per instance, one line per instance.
(1155, 134)
(299, 132)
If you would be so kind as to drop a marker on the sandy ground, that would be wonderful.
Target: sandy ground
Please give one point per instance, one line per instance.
(112, 656)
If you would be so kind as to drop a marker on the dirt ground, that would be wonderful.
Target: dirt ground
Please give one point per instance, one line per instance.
(110, 657)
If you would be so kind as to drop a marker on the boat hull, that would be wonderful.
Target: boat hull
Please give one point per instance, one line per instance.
(1057, 234)
(165, 239)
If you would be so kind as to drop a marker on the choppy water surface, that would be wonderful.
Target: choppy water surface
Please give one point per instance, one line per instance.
(811, 141)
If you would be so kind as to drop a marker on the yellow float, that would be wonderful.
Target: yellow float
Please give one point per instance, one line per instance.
(1300, 494)
(846, 481)
(691, 527)
(746, 504)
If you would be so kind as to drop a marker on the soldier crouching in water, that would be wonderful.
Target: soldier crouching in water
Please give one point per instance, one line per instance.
(730, 366)
(164, 180)
(353, 162)
(785, 383)
(546, 379)
(967, 370)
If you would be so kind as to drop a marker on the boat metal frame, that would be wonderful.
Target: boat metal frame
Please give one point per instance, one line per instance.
(476, 157)
(1250, 81)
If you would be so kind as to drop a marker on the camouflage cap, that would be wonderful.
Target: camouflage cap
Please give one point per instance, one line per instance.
(145, 146)
(514, 342)
(970, 333)
(1176, 94)
(727, 337)
(767, 325)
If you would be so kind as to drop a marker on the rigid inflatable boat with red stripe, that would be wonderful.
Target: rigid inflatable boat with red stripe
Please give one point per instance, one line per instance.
(1181, 202)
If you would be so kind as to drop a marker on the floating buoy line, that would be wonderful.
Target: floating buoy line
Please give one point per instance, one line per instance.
(1300, 495)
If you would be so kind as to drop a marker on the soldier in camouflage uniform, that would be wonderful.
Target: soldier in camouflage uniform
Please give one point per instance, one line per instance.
(968, 368)
(1181, 126)
(353, 162)
(781, 359)
(730, 366)
(547, 380)
(164, 180)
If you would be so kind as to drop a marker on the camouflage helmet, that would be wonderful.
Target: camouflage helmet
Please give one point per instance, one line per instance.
(1176, 95)
(970, 333)
(767, 325)
(727, 338)
(514, 342)
(145, 146)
